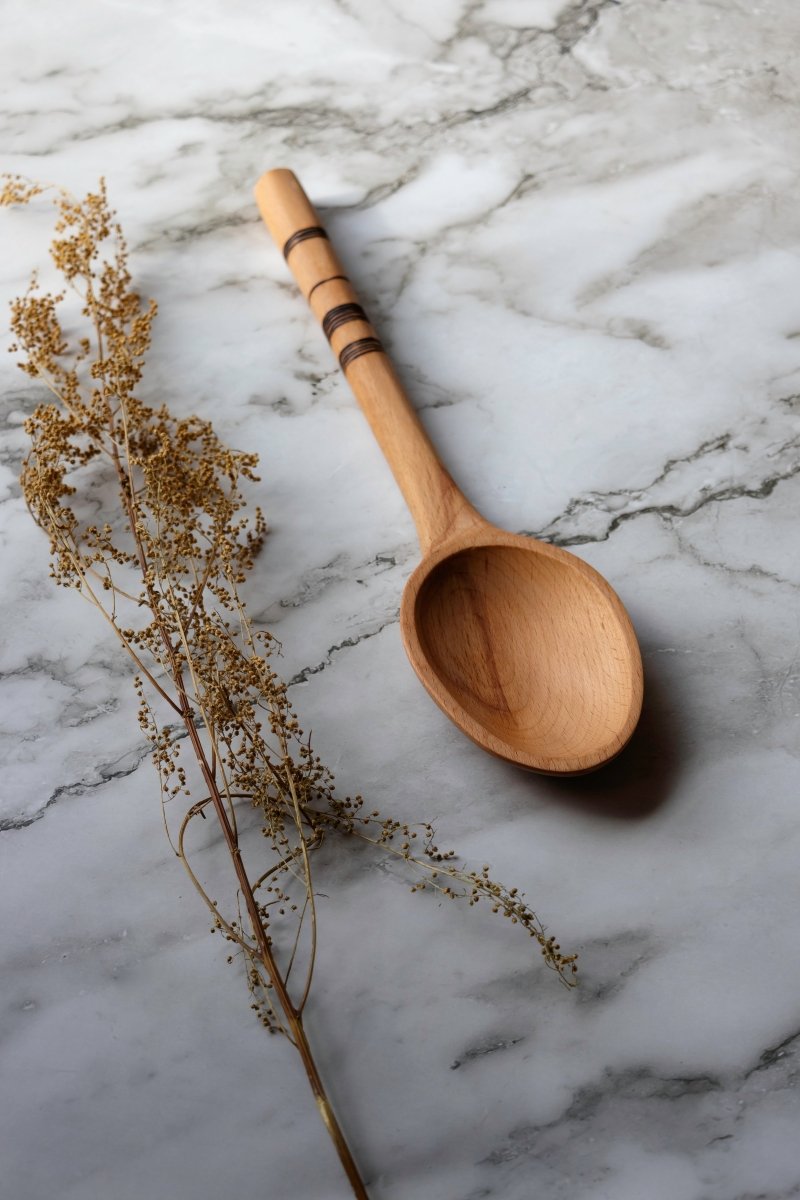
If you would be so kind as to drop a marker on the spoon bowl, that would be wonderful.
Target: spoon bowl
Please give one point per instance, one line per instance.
(524, 646)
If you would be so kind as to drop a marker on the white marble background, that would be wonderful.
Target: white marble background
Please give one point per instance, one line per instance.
(577, 228)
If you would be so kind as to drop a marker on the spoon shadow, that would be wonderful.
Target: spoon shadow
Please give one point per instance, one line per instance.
(640, 779)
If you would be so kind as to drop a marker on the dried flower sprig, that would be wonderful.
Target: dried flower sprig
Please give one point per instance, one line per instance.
(163, 566)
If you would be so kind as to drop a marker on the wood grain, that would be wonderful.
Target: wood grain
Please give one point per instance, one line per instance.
(524, 646)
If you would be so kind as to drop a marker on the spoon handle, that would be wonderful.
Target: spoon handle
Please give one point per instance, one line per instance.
(437, 506)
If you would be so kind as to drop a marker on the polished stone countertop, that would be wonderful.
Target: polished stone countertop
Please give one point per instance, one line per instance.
(576, 227)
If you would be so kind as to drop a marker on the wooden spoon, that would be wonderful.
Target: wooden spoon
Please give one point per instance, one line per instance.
(524, 646)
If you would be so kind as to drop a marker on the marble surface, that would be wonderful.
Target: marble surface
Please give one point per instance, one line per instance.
(576, 227)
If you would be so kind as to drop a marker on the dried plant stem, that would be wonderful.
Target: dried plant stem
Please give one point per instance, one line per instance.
(293, 1015)
(327, 1113)
(294, 1019)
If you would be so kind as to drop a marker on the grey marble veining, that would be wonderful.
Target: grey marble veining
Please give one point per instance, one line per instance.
(576, 227)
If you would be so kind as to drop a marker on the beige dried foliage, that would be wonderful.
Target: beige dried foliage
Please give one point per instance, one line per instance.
(163, 565)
